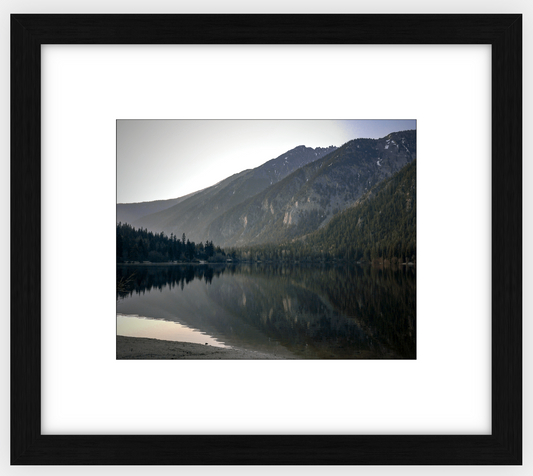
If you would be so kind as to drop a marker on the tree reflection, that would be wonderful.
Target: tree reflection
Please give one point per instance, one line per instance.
(323, 311)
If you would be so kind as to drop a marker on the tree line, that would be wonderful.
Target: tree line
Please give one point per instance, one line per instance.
(143, 245)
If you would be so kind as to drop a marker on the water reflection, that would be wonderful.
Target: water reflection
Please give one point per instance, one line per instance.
(137, 326)
(311, 311)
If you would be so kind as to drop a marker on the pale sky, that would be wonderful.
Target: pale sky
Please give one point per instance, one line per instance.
(161, 159)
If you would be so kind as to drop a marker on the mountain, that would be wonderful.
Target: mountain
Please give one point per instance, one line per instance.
(308, 198)
(130, 212)
(194, 215)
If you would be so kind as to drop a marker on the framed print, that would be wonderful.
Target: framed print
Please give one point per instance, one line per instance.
(200, 79)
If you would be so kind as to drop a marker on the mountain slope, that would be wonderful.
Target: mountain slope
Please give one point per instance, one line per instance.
(130, 212)
(194, 215)
(308, 198)
(381, 225)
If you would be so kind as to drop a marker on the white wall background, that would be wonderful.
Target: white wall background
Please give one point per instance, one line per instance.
(275, 6)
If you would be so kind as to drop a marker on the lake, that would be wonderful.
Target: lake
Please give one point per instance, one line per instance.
(310, 311)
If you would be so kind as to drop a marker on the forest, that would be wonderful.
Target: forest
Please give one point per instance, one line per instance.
(139, 245)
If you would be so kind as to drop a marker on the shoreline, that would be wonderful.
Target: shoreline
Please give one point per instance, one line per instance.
(144, 348)
(170, 263)
(229, 263)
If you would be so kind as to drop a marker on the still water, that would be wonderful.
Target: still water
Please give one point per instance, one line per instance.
(310, 311)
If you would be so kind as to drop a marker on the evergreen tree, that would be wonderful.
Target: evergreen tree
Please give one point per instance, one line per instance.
(120, 247)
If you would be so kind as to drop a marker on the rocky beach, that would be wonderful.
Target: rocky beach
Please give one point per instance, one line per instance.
(138, 348)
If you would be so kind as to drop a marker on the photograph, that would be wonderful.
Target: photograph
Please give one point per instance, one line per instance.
(266, 239)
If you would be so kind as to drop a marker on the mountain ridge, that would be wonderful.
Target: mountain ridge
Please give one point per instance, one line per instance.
(193, 215)
(309, 197)
(288, 197)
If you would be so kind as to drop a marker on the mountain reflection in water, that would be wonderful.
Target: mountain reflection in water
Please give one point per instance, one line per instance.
(312, 311)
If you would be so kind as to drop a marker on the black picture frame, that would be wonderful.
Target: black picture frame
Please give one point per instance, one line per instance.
(502, 447)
